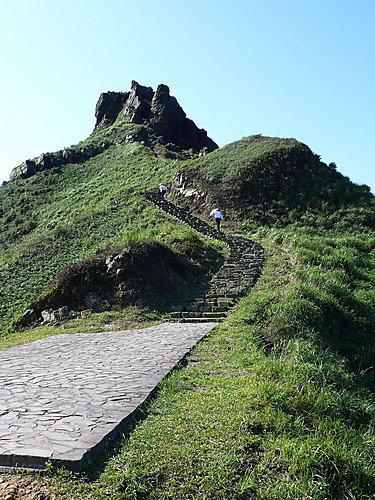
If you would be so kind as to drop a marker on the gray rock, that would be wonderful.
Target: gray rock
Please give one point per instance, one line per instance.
(24, 171)
(48, 315)
(108, 107)
(71, 156)
(88, 152)
(157, 110)
(29, 316)
(63, 312)
(43, 162)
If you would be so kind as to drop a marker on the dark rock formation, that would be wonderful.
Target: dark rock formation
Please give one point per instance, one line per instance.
(43, 162)
(23, 171)
(108, 107)
(149, 274)
(47, 161)
(158, 110)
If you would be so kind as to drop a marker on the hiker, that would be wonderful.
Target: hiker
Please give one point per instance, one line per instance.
(218, 217)
(163, 189)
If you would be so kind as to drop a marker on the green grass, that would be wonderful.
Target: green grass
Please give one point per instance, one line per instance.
(66, 215)
(274, 181)
(277, 402)
(264, 407)
(90, 322)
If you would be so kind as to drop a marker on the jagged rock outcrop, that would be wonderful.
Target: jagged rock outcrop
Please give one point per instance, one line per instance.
(48, 161)
(158, 110)
(108, 108)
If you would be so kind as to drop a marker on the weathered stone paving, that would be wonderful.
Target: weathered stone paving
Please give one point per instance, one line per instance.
(63, 397)
(212, 301)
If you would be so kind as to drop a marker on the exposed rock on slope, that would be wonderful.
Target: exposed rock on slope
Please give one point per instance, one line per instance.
(264, 178)
(148, 274)
(158, 110)
(51, 160)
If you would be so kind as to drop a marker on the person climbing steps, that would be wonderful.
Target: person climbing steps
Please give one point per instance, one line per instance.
(218, 217)
(163, 189)
(212, 301)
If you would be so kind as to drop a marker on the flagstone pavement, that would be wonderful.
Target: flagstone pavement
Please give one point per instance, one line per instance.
(62, 398)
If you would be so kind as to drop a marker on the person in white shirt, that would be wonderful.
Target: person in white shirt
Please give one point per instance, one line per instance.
(218, 217)
(163, 189)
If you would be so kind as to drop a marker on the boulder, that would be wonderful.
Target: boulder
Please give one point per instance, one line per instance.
(108, 107)
(24, 171)
(71, 156)
(48, 316)
(53, 315)
(63, 312)
(88, 152)
(29, 316)
(43, 162)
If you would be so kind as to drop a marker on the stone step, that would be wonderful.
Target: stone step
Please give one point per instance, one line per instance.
(192, 320)
(193, 307)
(212, 315)
(189, 314)
(219, 309)
(205, 302)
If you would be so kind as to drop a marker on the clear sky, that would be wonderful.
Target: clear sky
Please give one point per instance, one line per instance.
(283, 68)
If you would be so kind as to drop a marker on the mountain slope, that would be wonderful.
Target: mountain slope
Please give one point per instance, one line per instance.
(278, 401)
(266, 179)
(64, 215)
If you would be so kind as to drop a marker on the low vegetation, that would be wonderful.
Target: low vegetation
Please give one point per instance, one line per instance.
(277, 402)
(88, 322)
(272, 181)
(66, 216)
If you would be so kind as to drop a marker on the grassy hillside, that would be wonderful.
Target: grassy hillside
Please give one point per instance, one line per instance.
(69, 214)
(270, 180)
(278, 401)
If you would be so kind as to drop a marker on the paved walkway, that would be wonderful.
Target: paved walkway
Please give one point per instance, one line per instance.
(63, 397)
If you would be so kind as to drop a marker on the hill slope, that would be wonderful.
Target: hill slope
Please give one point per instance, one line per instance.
(278, 401)
(266, 179)
(65, 215)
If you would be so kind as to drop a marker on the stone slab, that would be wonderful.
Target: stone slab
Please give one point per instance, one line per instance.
(62, 398)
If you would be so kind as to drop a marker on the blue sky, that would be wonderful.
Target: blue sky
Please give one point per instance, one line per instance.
(302, 69)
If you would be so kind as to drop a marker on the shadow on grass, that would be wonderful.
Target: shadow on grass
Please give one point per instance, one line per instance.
(98, 458)
(115, 442)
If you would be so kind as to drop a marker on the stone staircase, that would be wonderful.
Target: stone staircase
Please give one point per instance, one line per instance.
(212, 301)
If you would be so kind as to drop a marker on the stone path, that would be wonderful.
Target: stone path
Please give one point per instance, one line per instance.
(212, 301)
(62, 398)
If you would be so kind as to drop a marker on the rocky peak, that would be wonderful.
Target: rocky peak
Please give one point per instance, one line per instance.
(108, 107)
(157, 110)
